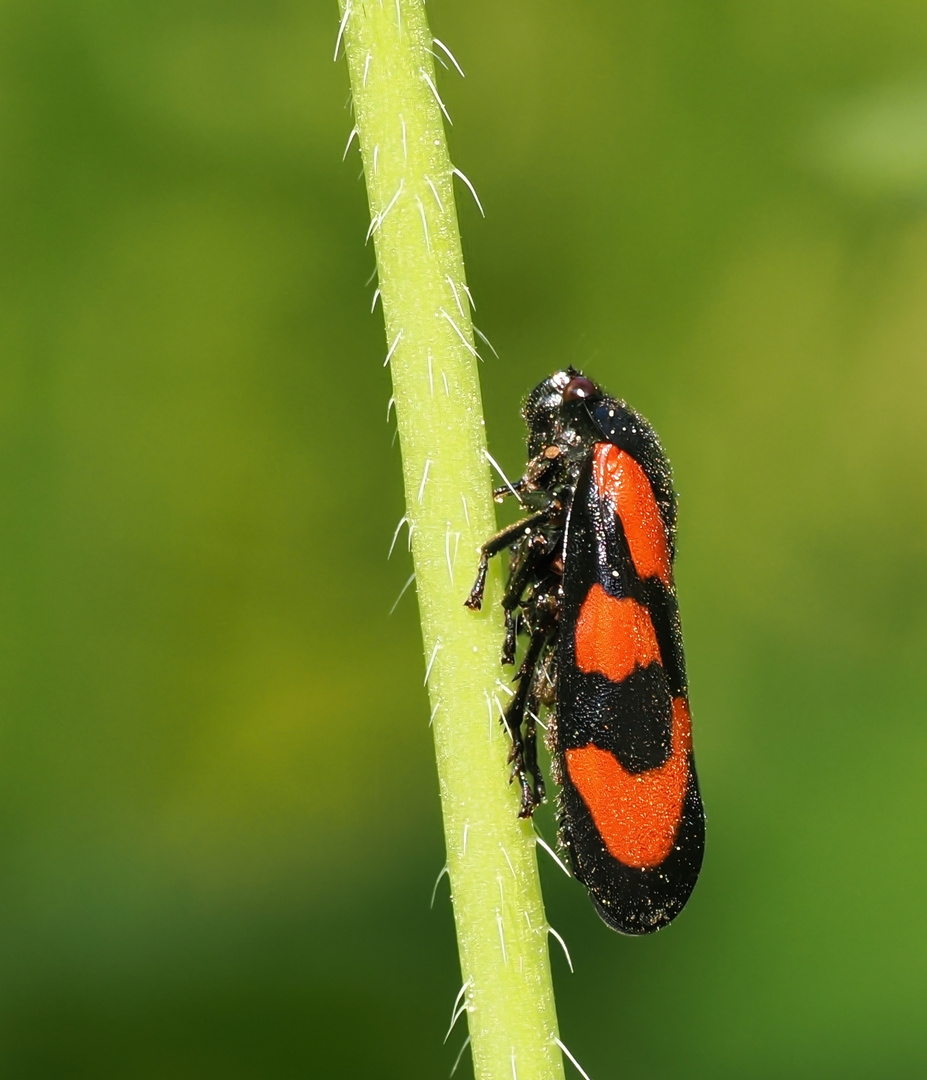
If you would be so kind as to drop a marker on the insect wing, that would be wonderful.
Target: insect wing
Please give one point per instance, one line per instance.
(631, 813)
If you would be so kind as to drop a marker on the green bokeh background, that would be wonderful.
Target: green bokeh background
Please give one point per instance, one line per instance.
(218, 811)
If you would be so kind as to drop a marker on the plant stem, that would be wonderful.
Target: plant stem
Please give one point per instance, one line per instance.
(502, 932)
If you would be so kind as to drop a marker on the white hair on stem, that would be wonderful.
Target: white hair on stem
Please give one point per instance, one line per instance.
(431, 86)
(379, 218)
(421, 489)
(434, 191)
(495, 464)
(421, 210)
(466, 1043)
(440, 59)
(402, 521)
(392, 348)
(351, 139)
(402, 594)
(458, 173)
(341, 29)
(553, 854)
(459, 333)
(434, 892)
(450, 282)
(563, 945)
(534, 716)
(447, 52)
(479, 333)
(431, 662)
(447, 552)
(458, 1008)
(505, 957)
(576, 1065)
(505, 855)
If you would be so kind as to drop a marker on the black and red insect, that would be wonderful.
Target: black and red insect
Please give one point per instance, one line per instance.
(591, 588)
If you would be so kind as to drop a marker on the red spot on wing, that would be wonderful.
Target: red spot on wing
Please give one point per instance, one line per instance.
(637, 814)
(614, 636)
(619, 478)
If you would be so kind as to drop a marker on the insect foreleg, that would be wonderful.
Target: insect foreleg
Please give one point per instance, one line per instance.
(503, 539)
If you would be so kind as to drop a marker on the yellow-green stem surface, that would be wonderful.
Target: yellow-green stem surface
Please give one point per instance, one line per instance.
(502, 932)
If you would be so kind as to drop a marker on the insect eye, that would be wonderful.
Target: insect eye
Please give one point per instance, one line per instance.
(578, 388)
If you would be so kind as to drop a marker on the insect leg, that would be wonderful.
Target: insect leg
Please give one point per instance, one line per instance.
(500, 493)
(523, 755)
(524, 568)
(531, 742)
(503, 539)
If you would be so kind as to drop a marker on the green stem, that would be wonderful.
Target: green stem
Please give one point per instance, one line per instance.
(502, 932)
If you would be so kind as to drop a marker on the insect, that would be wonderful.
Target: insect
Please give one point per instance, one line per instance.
(591, 589)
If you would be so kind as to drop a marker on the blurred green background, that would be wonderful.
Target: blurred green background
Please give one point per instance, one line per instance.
(219, 821)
